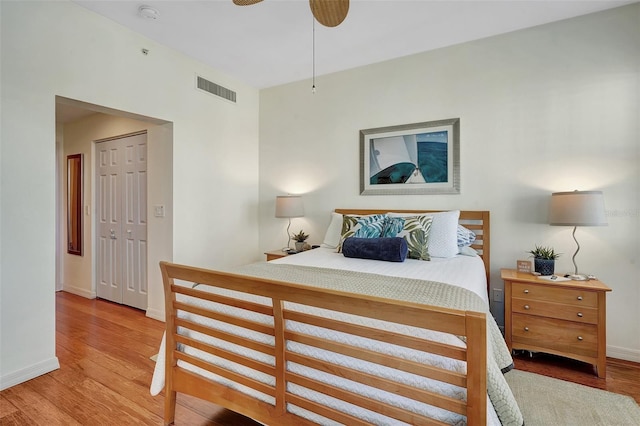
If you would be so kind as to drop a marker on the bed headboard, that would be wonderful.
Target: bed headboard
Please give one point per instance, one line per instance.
(476, 220)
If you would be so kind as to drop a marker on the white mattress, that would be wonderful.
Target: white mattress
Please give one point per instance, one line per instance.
(463, 271)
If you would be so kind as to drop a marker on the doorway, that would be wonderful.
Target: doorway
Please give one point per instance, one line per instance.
(80, 126)
(121, 220)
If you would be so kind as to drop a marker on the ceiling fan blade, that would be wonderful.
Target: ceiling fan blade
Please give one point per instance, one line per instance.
(245, 2)
(329, 13)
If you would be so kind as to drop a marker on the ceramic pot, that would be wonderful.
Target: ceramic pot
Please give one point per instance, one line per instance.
(299, 245)
(544, 266)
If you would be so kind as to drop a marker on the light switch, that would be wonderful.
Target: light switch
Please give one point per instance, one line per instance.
(158, 211)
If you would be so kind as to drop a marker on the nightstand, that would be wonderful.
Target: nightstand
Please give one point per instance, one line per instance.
(275, 254)
(566, 318)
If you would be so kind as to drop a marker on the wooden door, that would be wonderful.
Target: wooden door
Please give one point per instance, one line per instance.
(121, 220)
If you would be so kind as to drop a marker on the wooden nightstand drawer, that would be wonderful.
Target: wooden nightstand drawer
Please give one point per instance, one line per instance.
(555, 335)
(555, 310)
(563, 294)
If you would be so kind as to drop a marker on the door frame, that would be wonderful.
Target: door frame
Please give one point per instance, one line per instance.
(81, 280)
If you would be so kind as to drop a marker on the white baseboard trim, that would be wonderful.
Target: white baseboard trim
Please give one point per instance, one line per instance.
(79, 291)
(623, 353)
(29, 373)
(156, 314)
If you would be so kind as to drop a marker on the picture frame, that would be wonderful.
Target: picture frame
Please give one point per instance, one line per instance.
(524, 266)
(74, 204)
(418, 158)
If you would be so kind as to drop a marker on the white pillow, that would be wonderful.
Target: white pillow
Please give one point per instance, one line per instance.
(468, 251)
(443, 237)
(334, 231)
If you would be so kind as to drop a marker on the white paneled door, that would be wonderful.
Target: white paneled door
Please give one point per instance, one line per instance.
(121, 220)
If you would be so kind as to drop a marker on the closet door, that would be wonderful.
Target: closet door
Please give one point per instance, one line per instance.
(121, 222)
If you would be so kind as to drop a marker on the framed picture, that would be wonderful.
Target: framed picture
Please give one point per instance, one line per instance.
(419, 158)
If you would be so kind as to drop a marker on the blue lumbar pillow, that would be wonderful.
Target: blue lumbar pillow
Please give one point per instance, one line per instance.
(388, 249)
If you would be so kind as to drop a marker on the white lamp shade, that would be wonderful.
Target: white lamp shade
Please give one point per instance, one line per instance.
(289, 206)
(577, 208)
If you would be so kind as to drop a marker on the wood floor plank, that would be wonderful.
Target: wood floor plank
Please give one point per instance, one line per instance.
(16, 418)
(105, 373)
(6, 407)
(33, 408)
(136, 391)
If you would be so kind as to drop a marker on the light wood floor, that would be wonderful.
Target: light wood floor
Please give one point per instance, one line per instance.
(105, 373)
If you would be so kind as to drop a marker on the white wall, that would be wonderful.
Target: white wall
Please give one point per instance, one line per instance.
(54, 49)
(552, 108)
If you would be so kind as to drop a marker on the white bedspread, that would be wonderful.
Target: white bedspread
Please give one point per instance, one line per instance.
(463, 271)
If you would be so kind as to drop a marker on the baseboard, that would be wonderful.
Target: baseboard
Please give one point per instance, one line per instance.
(623, 353)
(156, 314)
(79, 291)
(29, 373)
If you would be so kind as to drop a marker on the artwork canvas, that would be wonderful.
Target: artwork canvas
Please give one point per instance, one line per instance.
(420, 158)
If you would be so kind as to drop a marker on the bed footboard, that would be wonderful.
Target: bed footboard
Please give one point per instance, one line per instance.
(278, 402)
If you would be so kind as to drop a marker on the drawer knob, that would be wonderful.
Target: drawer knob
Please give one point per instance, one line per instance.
(579, 337)
(526, 329)
(579, 297)
(580, 314)
(526, 307)
(526, 292)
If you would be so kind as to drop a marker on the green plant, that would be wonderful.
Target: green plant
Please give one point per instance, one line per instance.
(544, 253)
(300, 236)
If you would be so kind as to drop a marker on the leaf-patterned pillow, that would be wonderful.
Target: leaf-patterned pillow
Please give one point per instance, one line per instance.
(361, 227)
(416, 232)
(392, 227)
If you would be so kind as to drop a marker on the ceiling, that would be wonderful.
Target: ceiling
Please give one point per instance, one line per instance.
(270, 43)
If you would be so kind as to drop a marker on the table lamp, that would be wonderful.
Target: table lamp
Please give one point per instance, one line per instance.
(577, 208)
(289, 206)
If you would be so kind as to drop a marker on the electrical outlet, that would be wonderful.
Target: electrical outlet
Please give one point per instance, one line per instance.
(497, 295)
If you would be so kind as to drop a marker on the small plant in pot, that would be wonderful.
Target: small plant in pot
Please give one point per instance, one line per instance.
(544, 259)
(300, 238)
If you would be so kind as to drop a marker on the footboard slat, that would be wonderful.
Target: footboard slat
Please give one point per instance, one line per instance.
(231, 338)
(355, 399)
(227, 374)
(378, 382)
(381, 335)
(251, 325)
(255, 365)
(325, 411)
(209, 390)
(229, 301)
(435, 373)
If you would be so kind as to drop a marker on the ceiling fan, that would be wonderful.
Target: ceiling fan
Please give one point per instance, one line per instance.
(329, 13)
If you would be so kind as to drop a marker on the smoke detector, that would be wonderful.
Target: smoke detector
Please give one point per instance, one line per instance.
(148, 12)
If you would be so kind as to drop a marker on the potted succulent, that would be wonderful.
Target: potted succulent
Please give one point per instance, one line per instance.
(544, 259)
(300, 238)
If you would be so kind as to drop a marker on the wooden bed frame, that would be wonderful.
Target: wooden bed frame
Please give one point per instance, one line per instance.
(471, 325)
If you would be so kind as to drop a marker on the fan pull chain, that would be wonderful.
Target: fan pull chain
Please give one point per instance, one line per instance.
(313, 53)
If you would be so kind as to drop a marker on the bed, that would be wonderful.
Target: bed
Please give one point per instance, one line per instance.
(289, 342)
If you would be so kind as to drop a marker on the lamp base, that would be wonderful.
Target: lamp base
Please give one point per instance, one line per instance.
(578, 277)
